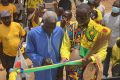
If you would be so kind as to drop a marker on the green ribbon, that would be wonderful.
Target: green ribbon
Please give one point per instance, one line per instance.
(76, 62)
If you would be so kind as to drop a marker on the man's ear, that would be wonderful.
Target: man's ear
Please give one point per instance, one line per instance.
(89, 13)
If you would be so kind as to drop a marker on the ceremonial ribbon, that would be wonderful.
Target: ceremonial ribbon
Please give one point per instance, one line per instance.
(13, 73)
(41, 68)
(76, 62)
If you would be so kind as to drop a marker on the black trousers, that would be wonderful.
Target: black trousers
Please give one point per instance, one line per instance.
(107, 61)
(7, 62)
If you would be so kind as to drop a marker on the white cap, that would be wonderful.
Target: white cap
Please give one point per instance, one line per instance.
(5, 13)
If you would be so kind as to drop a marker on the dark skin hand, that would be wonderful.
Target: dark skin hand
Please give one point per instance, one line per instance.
(22, 40)
(48, 61)
(86, 61)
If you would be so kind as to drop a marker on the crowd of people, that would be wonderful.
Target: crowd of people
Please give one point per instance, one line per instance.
(52, 37)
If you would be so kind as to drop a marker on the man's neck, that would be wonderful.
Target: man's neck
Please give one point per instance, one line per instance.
(49, 34)
(85, 26)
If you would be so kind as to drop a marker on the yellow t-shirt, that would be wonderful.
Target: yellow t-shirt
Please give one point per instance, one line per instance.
(10, 37)
(11, 8)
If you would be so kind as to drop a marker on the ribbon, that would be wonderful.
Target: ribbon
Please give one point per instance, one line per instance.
(47, 67)
(76, 62)
(13, 75)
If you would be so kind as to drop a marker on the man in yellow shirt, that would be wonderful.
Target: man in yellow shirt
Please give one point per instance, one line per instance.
(5, 5)
(11, 34)
(93, 42)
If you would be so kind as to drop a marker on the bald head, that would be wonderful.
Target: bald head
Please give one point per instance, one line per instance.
(83, 9)
(83, 6)
(50, 16)
(49, 20)
(83, 13)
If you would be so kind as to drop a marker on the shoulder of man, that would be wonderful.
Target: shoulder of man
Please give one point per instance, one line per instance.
(58, 28)
(106, 30)
(15, 23)
(101, 29)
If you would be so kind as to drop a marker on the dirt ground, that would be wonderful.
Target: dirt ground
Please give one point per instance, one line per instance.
(106, 3)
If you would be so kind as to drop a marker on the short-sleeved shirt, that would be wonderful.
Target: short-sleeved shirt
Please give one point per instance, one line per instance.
(10, 37)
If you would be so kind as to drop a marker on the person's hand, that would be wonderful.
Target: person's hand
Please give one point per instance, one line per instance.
(48, 61)
(1, 68)
(19, 46)
(86, 61)
(64, 60)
